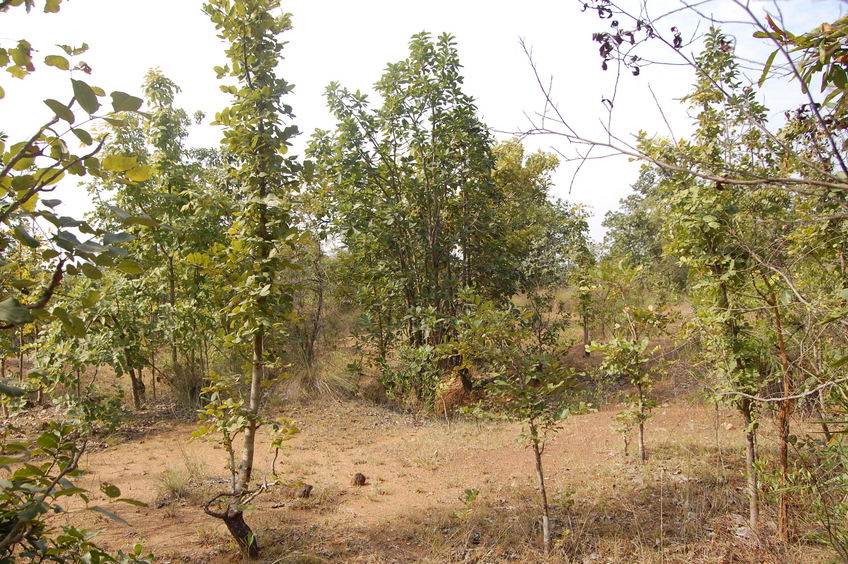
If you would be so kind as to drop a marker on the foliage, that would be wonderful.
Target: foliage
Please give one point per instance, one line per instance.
(421, 219)
(37, 481)
(263, 178)
(516, 347)
(629, 357)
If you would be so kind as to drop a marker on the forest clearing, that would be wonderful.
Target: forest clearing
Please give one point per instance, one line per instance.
(414, 506)
(393, 338)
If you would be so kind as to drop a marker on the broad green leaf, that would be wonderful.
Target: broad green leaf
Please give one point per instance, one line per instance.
(140, 173)
(23, 283)
(111, 490)
(11, 311)
(144, 220)
(61, 110)
(108, 514)
(117, 238)
(85, 96)
(83, 135)
(132, 502)
(91, 271)
(25, 238)
(8, 390)
(130, 267)
(123, 102)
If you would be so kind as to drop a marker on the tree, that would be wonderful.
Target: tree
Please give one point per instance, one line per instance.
(629, 356)
(29, 169)
(264, 177)
(427, 206)
(517, 347)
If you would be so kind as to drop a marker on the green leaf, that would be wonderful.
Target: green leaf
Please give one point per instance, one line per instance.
(25, 238)
(132, 502)
(91, 271)
(60, 110)
(144, 220)
(57, 61)
(123, 102)
(8, 390)
(117, 238)
(83, 135)
(47, 440)
(130, 267)
(111, 490)
(767, 67)
(23, 283)
(85, 96)
(12, 311)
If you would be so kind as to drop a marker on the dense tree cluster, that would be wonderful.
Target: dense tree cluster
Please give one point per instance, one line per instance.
(427, 255)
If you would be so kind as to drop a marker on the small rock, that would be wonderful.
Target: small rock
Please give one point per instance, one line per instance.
(358, 479)
(728, 426)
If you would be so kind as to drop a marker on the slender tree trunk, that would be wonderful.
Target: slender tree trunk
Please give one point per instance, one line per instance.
(138, 389)
(783, 423)
(745, 407)
(543, 494)
(643, 455)
(586, 341)
(153, 373)
(21, 374)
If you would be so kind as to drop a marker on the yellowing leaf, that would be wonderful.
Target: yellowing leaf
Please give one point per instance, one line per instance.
(29, 204)
(119, 163)
(57, 61)
(140, 173)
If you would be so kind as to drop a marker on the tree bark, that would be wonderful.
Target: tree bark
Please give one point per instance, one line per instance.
(256, 378)
(750, 462)
(643, 455)
(138, 390)
(543, 494)
(784, 411)
(586, 341)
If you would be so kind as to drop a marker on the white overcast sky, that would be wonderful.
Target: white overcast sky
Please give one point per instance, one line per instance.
(351, 42)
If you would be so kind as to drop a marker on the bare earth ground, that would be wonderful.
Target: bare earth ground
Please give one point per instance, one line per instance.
(685, 505)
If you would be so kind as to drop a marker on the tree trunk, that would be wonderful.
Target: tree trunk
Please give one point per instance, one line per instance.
(546, 523)
(783, 422)
(586, 341)
(153, 373)
(21, 374)
(750, 462)
(242, 533)
(138, 390)
(643, 455)
(257, 376)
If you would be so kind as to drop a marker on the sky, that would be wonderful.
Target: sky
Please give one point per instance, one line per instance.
(352, 42)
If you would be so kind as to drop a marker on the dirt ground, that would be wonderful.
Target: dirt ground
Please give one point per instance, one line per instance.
(685, 505)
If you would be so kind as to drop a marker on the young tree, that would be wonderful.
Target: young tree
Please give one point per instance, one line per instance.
(264, 176)
(518, 347)
(629, 356)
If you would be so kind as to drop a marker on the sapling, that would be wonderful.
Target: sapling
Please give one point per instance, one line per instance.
(630, 357)
(516, 346)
